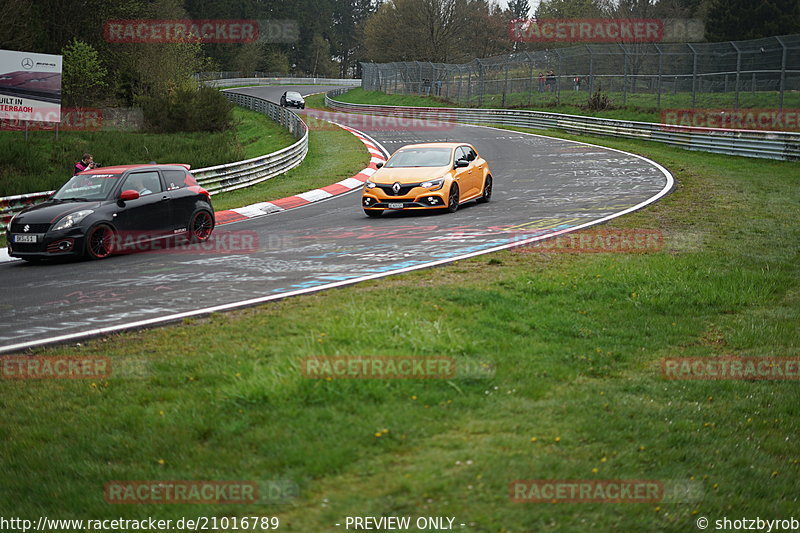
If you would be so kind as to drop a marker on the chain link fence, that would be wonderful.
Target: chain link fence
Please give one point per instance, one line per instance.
(760, 73)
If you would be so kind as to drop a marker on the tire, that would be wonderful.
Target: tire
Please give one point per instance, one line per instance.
(487, 190)
(372, 213)
(453, 199)
(200, 226)
(100, 242)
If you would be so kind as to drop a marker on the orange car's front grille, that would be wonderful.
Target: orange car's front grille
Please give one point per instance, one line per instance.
(403, 190)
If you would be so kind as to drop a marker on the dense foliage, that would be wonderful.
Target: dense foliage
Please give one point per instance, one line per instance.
(187, 109)
(333, 36)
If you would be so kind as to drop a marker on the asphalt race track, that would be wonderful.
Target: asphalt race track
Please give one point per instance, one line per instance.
(541, 186)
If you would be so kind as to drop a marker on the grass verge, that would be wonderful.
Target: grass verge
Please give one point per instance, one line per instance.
(43, 163)
(577, 339)
(638, 107)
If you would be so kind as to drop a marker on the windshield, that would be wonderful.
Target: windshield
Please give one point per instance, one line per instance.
(420, 157)
(87, 187)
(293, 95)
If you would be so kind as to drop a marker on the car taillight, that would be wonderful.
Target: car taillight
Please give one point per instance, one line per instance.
(199, 190)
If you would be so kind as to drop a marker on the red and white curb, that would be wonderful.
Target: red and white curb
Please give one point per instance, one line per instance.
(309, 197)
(290, 202)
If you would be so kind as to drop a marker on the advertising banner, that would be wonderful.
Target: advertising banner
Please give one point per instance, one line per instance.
(30, 86)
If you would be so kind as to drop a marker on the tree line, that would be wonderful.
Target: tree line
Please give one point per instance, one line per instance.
(333, 36)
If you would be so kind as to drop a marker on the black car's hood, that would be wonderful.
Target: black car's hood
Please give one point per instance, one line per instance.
(50, 211)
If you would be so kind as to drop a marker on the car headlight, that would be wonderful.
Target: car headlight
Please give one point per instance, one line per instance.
(433, 184)
(369, 185)
(72, 219)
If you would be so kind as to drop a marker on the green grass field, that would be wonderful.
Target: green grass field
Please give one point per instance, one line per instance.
(639, 107)
(43, 163)
(578, 394)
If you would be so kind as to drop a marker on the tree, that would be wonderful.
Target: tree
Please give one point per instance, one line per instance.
(565, 9)
(83, 76)
(348, 32)
(19, 28)
(276, 61)
(382, 45)
(424, 30)
(489, 30)
(519, 9)
(249, 59)
(319, 57)
(736, 20)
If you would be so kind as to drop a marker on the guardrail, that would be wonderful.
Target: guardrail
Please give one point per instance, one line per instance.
(230, 82)
(219, 178)
(748, 143)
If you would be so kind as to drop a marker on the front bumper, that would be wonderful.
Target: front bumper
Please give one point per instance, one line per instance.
(58, 244)
(430, 200)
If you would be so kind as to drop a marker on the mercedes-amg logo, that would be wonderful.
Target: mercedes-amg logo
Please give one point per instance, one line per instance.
(27, 63)
(26, 228)
(396, 188)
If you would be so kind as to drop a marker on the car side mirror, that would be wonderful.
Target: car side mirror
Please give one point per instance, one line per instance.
(461, 163)
(128, 195)
(379, 165)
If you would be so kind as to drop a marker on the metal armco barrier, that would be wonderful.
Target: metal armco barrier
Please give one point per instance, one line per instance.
(231, 82)
(13, 204)
(241, 174)
(748, 143)
(219, 178)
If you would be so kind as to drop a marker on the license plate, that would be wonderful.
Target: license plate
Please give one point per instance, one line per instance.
(395, 206)
(25, 238)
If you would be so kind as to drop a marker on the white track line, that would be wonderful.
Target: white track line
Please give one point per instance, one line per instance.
(4, 257)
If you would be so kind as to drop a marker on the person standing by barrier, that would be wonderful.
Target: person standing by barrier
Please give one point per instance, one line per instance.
(577, 82)
(541, 82)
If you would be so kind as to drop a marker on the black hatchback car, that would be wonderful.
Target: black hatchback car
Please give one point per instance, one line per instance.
(293, 99)
(113, 209)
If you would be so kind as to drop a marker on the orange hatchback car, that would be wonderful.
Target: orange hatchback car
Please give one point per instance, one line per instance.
(428, 176)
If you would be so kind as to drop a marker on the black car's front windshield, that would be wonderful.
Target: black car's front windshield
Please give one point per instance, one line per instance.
(420, 157)
(294, 96)
(87, 187)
